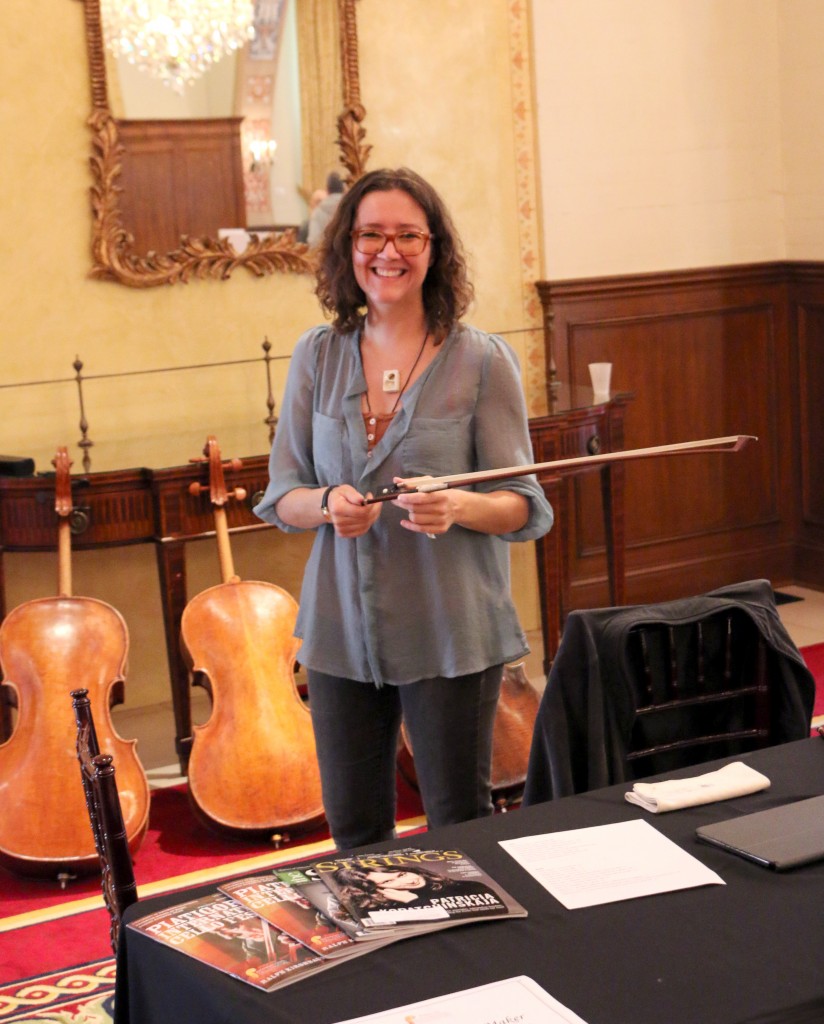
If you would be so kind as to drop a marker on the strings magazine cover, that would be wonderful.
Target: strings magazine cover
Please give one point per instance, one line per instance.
(415, 887)
(267, 931)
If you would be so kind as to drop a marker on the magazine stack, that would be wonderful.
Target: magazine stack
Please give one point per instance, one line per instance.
(272, 929)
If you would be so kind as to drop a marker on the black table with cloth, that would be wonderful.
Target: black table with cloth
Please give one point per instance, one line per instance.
(750, 950)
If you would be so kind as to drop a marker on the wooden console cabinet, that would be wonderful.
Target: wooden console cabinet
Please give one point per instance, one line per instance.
(575, 426)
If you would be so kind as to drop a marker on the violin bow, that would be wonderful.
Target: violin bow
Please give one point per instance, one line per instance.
(426, 484)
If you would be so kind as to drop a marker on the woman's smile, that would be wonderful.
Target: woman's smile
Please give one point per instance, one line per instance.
(387, 278)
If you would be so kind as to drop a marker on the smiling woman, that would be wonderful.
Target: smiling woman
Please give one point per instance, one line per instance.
(116, 254)
(395, 386)
(390, 260)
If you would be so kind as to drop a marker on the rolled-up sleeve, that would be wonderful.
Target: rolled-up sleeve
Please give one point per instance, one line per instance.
(291, 462)
(502, 438)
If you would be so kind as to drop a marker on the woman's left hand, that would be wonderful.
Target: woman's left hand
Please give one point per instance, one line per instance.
(431, 513)
(434, 512)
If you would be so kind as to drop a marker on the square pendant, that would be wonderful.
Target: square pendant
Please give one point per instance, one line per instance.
(391, 381)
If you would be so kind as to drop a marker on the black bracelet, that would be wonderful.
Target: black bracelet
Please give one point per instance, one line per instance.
(324, 502)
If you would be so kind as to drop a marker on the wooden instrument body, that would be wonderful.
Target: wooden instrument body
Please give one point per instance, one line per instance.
(511, 739)
(253, 766)
(514, 726)
(49, 647)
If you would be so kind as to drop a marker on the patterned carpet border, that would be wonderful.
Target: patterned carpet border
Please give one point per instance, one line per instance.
(84, 993)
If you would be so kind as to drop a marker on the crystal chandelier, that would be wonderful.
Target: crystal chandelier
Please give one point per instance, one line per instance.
(176, 40)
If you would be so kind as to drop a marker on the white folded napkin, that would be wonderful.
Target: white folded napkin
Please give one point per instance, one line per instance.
(736, 779)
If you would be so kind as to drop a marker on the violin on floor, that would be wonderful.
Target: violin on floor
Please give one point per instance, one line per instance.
(49, 647)
(253, 768)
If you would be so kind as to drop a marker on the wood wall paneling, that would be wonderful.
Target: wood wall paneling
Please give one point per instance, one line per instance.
(807, 296)
(706, 353)
(811, 411)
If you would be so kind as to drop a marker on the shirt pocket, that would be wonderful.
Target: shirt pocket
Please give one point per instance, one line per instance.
(329, 449)
(438, 447)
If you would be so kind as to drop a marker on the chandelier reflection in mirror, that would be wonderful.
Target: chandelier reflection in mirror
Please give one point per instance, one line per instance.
(176, 40)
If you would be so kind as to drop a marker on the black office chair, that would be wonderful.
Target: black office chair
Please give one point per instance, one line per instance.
(646, 689)
(106, 817)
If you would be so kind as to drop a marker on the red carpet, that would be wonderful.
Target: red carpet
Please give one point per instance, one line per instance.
(54, 946)
(814, 657)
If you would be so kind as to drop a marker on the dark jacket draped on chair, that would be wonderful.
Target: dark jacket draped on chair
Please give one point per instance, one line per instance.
(585, 722)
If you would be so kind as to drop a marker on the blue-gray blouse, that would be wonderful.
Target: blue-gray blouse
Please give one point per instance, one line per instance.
(394, 606)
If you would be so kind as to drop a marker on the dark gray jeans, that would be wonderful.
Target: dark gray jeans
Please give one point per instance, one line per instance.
(449, 722)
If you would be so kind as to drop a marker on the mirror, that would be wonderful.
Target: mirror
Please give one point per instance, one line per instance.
(114, 256)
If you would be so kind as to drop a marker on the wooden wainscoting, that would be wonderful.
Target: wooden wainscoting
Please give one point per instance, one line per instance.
(807, 330)
(706, 353)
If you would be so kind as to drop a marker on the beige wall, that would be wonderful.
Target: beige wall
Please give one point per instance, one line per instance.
(801, 29)
(440, 102)
(678, 133)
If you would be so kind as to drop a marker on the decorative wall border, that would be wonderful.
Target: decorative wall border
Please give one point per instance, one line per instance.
(526, 177)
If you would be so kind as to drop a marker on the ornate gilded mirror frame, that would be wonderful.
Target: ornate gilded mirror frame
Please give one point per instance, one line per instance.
(113, 256)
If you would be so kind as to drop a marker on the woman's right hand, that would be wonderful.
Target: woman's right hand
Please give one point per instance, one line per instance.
(347, 513)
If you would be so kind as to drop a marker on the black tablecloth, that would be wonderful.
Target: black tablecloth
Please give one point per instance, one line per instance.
(715, 955)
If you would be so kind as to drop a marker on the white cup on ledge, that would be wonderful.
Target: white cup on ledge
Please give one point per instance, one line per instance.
(600, 374)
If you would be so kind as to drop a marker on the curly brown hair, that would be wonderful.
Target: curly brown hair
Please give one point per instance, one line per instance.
(447, 291)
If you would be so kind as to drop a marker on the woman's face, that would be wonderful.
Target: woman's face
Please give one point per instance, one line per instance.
(387, 278)
(397, 879)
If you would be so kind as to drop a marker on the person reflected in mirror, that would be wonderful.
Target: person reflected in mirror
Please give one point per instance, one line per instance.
(315, 199)
(405, 608)
(325, 210)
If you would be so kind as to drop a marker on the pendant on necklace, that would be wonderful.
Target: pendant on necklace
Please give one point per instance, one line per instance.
(391, 381)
